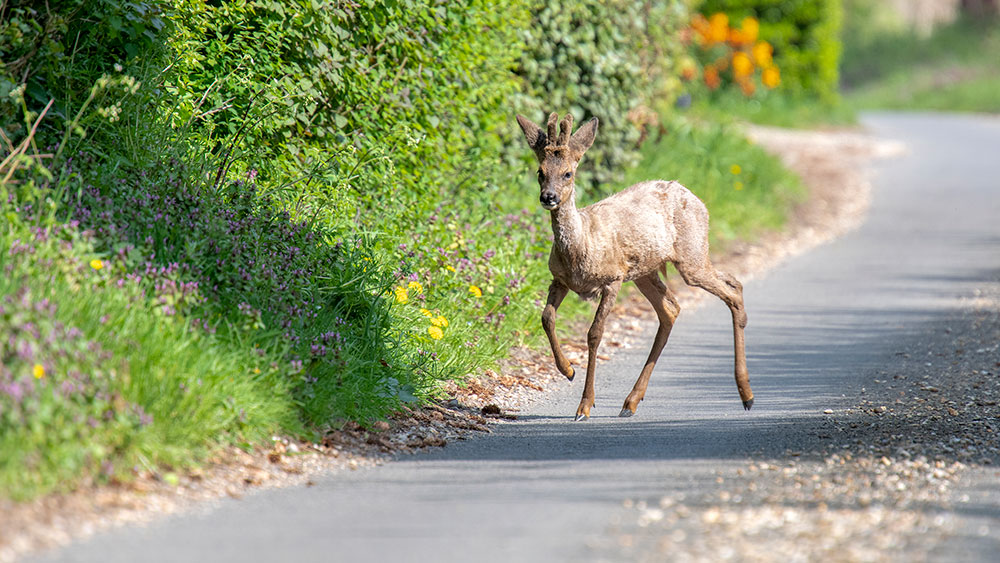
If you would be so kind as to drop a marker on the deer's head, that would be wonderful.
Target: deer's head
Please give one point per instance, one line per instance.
(558, 155)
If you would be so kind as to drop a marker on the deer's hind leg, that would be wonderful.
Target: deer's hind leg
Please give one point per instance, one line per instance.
(667, 309)
(726, 287)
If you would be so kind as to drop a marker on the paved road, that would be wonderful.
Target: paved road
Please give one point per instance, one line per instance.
(539, 488)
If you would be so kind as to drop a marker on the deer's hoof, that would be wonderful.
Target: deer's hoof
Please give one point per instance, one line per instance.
(626, 412)
(581, 416)
(571, 374)
(747, 404)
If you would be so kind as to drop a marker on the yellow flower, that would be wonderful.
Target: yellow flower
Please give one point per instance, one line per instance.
(762, 53)
(439, 321)
(415, 286)
(38, 371)
(718, 27)
(96, 264)
(475, 291)
(771, 77)
(735, 169)
(401, 297)
(738, 186)
(751, 29)
(450, 268)
(426, 313)
(435, 332)
(742, 65)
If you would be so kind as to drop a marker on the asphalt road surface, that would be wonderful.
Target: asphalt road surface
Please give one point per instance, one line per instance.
(542, 487)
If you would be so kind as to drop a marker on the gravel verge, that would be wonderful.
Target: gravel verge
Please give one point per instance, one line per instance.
(832, 164)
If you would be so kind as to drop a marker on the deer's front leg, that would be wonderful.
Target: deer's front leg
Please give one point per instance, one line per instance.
(608, 295)
(557, 292)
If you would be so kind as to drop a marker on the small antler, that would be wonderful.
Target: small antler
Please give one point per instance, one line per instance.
(553, 119)
(565, 130)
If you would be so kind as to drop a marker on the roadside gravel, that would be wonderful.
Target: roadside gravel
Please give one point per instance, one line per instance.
(833, 164)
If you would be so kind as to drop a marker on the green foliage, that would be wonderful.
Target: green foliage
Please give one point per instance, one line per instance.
(56, 50)
(604, 59)
(805, 37)
(393, 84)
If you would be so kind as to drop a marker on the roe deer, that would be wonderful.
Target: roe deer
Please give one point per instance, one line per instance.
(629, 236)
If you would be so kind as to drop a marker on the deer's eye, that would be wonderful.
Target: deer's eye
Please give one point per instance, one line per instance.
(567, 175)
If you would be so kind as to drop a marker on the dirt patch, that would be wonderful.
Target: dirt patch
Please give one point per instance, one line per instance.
(832, 165)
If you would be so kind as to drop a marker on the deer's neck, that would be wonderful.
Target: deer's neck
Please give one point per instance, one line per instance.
(568, 231)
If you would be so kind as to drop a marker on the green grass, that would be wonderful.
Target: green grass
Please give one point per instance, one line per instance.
(95, 384)
(778, 109)
(956, 68)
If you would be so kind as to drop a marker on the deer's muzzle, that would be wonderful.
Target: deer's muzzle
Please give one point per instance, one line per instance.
(549, 200)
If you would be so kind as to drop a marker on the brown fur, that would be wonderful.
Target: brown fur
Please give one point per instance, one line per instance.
(629, 236)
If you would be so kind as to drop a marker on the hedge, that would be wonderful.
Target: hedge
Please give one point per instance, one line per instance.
(609, 59)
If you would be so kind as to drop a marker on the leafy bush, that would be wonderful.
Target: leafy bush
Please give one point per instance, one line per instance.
(56, 50)
(805, 37)
(388, 86)
(604, 59)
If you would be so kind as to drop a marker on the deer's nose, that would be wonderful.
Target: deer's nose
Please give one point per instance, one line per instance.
(549, 199)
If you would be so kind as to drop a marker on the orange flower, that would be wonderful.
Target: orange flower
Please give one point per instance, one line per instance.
(700, 26)
(712, 77)
(771, 77)
(742, 65)
(748, 87)
(763, 53)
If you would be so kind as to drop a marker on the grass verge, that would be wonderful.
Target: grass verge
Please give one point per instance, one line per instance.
(953, 69)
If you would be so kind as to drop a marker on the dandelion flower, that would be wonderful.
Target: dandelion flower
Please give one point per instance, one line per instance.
(401, 297)
(439, 321)
(735, 169)
(426, 313)
(415, 286)
(435, 332)
(96, 264)
(450, 268)
(38, 371)
(475, 291)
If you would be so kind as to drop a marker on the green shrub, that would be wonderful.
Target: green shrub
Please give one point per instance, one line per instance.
(56, 50)
(411, 89)
(603, 59)
(805, 35)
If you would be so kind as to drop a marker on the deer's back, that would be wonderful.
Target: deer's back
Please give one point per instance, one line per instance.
(638, 229)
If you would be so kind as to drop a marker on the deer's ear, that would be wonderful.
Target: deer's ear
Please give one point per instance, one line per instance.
(532, 133)
(584, 137)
